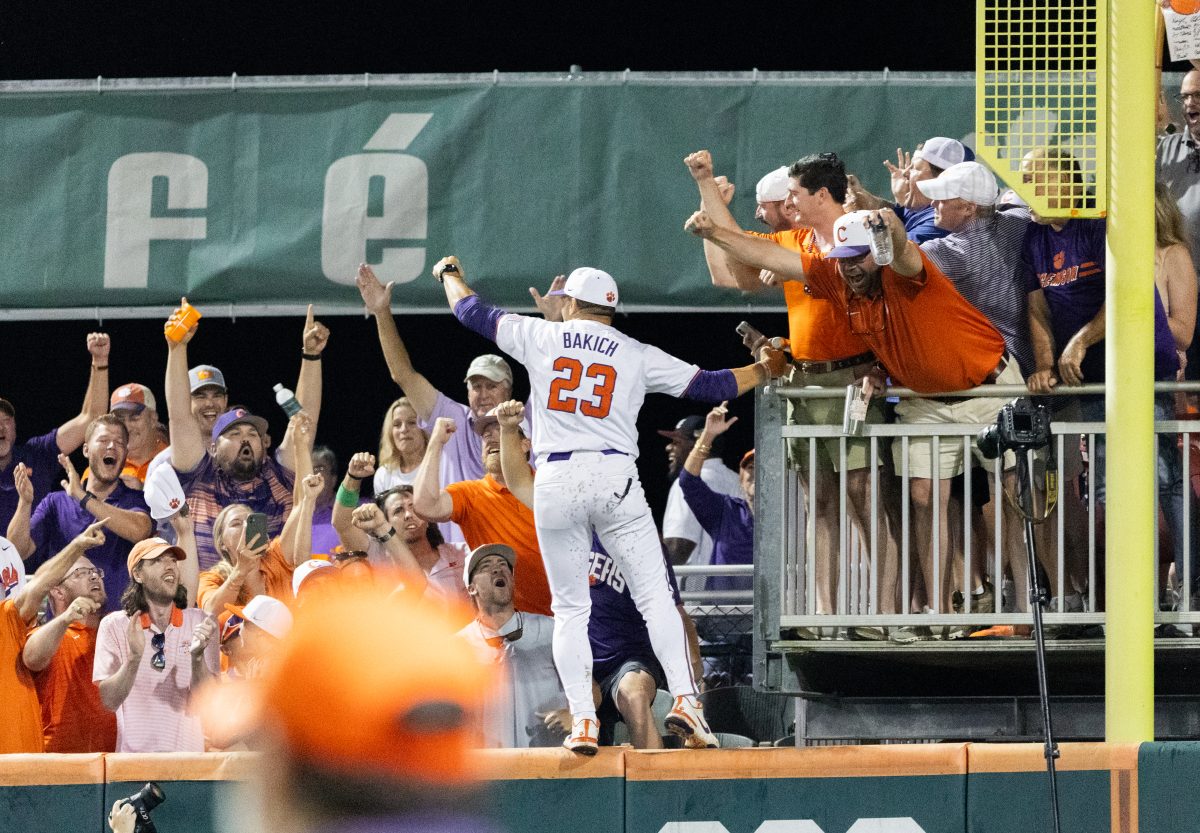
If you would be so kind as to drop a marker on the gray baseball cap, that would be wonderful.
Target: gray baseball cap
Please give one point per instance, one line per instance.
(203, 375)
(492, 367)
(482, 552)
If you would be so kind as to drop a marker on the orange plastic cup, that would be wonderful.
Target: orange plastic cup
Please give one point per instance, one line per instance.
(181, 320)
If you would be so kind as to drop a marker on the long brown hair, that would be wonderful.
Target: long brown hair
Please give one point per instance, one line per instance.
(1169, 225)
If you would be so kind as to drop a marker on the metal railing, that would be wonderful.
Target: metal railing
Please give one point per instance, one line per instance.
(787, 587)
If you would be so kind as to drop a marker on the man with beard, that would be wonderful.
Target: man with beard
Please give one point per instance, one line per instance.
(527, 710)
(1177, 165)
(155, 652)
(237, 470)
(926, 335)
(683, 536)
(39, 454)
(484, 508)
(102, 496)
(61, 654)
(21, 728)
(243, 474)
(137, 408)
(390, 520)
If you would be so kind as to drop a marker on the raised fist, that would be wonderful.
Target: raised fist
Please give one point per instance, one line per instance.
(700, 164)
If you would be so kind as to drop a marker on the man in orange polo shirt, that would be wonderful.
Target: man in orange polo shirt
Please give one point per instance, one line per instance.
(60, 654)
(800, 204)
(21, 728)
(924, 332)
(485, 510)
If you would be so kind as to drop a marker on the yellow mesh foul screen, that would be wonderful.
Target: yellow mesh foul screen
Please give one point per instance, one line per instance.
(1041, 99)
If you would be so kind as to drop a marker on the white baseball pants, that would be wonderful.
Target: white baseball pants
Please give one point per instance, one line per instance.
(602, 492)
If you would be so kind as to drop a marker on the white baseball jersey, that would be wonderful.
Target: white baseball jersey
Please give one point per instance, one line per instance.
(587, 381)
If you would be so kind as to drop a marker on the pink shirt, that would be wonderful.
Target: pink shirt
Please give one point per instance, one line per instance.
(155, 716)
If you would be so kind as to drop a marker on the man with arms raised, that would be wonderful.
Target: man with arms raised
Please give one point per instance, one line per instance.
(588, 382)
(21, 728)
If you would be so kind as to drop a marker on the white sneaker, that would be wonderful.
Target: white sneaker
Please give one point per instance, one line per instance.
(583, 737)
(686, 720)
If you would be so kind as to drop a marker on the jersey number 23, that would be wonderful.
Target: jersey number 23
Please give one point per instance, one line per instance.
(562, 389)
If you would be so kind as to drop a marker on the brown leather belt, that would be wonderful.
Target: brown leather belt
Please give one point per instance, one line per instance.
(989, 380)
(806, 366)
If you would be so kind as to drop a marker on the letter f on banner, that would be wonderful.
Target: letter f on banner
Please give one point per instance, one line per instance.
(377, 197)
(131, 224)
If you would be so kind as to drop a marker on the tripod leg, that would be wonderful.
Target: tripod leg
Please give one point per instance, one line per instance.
(1037, 602)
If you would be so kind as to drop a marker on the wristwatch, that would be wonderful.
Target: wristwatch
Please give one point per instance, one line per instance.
(83, 501)
(449, 267)
(385, 537)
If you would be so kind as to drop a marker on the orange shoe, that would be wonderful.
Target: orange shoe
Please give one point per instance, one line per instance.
(1004, 632)
(686, 720)
(583, 737)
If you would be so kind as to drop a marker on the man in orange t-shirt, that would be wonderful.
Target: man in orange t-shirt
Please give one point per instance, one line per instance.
(800, 204)
(924, 332)
(21, 728)
(485, 510)
(60, 654)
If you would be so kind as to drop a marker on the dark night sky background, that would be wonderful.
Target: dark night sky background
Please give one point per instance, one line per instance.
(43, 368)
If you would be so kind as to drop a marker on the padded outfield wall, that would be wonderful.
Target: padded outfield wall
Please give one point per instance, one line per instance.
(942, 788)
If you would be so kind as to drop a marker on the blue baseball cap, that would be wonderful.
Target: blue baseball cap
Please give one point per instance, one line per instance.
(238, 416)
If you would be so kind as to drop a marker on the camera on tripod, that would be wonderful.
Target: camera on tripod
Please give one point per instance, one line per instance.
(1020, 426)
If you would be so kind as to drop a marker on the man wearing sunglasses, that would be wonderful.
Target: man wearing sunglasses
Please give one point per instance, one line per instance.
(61, 654)
(154, 653)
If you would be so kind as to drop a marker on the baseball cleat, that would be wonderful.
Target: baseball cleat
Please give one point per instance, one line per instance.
(686, 720)
(582, 739)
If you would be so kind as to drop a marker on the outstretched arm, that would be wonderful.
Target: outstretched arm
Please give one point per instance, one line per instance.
(95, 400)
(716, 192)
(308, 385)
(746, 249)
(430, 500)
(188, 443)
(361, 466)
(55, 570)
(19, 532)
(518, 478)
(378, 299)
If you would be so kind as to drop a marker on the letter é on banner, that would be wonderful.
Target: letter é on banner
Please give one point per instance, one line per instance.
(351, 218)
(131, 224)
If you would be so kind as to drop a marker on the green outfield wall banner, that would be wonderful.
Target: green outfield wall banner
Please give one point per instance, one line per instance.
(269, 192)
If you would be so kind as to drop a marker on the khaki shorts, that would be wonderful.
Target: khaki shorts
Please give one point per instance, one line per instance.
(981, 412)
(829, 411)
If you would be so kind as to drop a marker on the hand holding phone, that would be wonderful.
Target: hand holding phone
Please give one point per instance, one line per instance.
(256, 530)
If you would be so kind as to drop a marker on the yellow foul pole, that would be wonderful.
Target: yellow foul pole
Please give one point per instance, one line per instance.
(1131, 530)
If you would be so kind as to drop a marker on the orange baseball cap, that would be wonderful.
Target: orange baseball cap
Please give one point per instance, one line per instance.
(409, 706)
(152, 548)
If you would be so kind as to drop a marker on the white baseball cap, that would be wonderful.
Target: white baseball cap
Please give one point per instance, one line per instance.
(853, 235)
(592, 285)
(305, 570)
(773, 187)
(968, 181)
(490, 366)
(12, 570)
(163, 493)
(942, 152)
(269, 614)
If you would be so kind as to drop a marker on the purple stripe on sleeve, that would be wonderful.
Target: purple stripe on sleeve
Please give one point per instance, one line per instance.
(713, 386)
(478, 315)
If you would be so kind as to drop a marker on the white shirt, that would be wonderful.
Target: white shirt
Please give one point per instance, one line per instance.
(680, 522)
(389, 477)
(444, 577)
(587, 381)
(530, 687)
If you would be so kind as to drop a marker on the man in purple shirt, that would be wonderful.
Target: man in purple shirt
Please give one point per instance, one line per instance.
(40, 454)
(489, 381)
(103, 496)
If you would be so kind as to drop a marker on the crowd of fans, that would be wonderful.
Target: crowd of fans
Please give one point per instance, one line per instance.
(175, 559)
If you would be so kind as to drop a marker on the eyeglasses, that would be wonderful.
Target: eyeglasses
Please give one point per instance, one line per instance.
(1186, 96)
(348, 555)
(89, 572)
(159, 643)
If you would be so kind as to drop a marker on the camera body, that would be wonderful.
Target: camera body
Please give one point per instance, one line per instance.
(1020, 426)
(142, 802)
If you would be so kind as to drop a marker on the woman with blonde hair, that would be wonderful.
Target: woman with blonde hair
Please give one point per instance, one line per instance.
(401, 447)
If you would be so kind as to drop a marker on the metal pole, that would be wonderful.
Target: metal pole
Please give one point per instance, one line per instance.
(1129, 413)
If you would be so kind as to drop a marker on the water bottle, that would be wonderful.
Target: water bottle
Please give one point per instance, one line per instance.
(287, 401)
(881, 243)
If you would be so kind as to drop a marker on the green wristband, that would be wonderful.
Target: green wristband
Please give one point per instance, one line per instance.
(347, 498)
